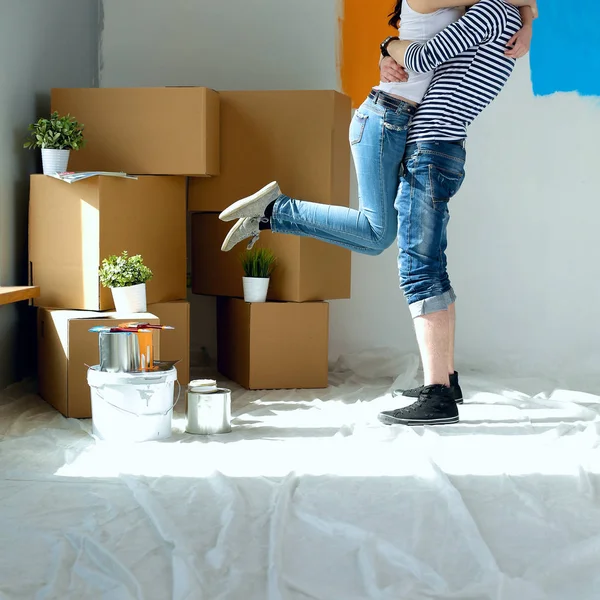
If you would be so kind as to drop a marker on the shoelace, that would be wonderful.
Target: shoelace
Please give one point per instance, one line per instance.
(253, 241)
(256, 235)
(413, 390)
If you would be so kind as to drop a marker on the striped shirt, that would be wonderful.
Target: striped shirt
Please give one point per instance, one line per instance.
(470, 70)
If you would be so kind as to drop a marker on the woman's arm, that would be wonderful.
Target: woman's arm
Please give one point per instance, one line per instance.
(527, 8)
(519, 44)
(527, 15)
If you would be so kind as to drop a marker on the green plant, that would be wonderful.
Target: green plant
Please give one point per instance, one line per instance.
(258, 262)
(124, 271)
(56, 133)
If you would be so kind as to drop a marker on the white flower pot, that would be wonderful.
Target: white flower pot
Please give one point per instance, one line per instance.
(255, 289)
(130, 299)
(55, 161)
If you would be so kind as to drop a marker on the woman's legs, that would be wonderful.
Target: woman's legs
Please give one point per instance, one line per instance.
(378, 139)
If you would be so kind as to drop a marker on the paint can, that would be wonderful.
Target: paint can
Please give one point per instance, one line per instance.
(119, 352)
(208, 408)
(132, 407)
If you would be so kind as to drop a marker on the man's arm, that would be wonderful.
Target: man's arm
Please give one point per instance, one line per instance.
(485, 20)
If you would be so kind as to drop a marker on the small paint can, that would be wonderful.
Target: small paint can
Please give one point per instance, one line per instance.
(119, 352)
(208, 408)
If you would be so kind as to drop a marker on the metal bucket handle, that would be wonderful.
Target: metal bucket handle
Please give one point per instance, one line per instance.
(130, 412)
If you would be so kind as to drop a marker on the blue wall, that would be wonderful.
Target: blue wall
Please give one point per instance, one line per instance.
(565, 53)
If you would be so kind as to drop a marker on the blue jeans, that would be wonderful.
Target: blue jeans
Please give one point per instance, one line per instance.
(403, 192)
(433, 174)
(378, 140)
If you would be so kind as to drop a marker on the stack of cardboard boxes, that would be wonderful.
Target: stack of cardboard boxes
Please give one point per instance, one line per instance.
(161, 135)
(299, 139)
(229, 145)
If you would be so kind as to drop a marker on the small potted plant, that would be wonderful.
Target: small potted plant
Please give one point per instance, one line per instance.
(126, 276)
(56, 136)
(258, 265)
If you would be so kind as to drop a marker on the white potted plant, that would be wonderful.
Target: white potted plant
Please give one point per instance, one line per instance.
(258, 265)
(126, 276)
(56, 136)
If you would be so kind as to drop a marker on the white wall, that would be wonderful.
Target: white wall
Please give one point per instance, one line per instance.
(42, 44)
(523, 228)
(525, 231)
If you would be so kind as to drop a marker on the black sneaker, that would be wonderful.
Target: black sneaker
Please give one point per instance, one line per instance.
(416, 392)
(435, 406)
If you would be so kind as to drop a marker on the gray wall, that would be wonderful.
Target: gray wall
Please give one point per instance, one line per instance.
(225, 45)
(524, 228)
(43, 44)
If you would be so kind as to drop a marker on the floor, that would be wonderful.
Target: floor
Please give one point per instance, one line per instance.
(310, 498)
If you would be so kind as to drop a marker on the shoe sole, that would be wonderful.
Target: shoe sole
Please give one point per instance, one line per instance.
(225, 247)
(389, 420)
(231, 213)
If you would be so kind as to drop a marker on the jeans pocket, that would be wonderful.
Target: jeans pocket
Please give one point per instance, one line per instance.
(444, 184)
(397, 121)
(357, 127)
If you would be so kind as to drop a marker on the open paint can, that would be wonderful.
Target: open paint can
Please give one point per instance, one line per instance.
(119, 352)
(208, 408)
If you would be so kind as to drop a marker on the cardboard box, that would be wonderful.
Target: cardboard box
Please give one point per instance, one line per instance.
(299, 138)
(66, 348)
(307, 269)
(273, 345)
(175, 345)
(72, 227)
(144, 131)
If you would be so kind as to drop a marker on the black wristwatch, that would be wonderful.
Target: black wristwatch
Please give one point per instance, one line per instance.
(384, 45)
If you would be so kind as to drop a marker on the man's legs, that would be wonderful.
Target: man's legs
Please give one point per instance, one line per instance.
(434, 172)
(451, 334)
(433, 337)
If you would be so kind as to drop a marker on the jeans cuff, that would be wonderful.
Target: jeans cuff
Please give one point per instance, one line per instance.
(433, 304)
(279, 200)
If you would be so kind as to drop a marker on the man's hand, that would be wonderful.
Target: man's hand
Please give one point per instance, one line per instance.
(391, 71)
(519, 44)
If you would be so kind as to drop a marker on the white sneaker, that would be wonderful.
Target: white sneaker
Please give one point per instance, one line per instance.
(252, 206)
(242, 230)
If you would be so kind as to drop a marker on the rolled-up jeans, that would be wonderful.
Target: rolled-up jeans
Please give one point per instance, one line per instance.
(378, 141)
(433, 174)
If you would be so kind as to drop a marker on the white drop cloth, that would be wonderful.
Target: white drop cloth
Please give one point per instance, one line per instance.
(311, 498)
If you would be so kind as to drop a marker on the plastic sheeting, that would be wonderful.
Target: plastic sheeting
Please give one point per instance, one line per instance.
(311, 498)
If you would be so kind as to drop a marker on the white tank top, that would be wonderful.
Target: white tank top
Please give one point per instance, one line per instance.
(418, 27)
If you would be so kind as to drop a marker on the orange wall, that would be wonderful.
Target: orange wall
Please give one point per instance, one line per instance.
(363, 27)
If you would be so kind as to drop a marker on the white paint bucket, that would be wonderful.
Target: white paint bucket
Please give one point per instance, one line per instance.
(132, 407)
(255, 289)
(130, 299)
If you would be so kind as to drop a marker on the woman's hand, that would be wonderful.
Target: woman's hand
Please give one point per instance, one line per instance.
(519, 44)
(531, 3)
(391, 71)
